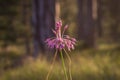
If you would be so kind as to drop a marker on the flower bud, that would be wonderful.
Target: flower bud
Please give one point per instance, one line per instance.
(66, 26)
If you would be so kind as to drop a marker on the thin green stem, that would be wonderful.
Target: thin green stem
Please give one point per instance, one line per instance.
(70, 63)
(63, 64)
(52, 65)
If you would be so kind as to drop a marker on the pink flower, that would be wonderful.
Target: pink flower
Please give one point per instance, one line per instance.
(61, 41)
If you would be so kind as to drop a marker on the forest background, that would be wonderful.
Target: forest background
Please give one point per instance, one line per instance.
(26, 24)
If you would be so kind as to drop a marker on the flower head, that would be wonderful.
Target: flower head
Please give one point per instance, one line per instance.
(61, 41)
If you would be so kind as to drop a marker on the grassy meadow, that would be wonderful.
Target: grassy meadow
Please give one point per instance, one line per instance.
(100, 64)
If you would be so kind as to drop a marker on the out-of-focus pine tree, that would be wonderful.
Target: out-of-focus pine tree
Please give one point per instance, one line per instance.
(12, 29)
(43, 19)
(86, 27)
(8, 11)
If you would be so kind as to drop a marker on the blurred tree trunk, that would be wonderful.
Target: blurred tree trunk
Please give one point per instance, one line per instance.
(49, 17)
(87, 28)
(115, 16)
(80, 20)
(43, 21)
(57, 9)
(25, 19)
(99, 18)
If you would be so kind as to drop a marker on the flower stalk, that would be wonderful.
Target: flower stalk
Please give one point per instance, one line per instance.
(70, 64)
(61, 42)
(63, 64)
(51, 67)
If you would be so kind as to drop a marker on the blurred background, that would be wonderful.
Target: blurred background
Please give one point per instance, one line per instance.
(26, 24)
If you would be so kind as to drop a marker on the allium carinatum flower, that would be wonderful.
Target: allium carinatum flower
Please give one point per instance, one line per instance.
(60, 41)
